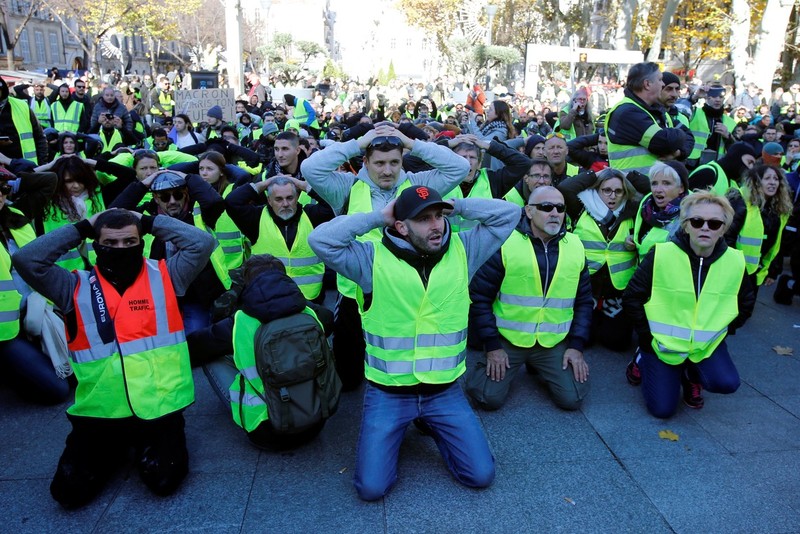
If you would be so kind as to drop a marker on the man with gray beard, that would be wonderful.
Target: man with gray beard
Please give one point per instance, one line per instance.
(269, 215)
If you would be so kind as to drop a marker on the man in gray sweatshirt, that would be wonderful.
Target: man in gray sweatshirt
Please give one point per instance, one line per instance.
(412, 292)
(380, 180)
(126, 345)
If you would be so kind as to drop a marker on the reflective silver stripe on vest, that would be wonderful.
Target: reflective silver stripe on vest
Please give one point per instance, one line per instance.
(299, 262)
(438, 364)
(390, 367)
(752, 260)
(229, 235)
(422, 340)
(701, 336)
(250, 373)
(305, 280)
(532, 328)
(752, 241)
(632, 152)
(624, 266)
(665, 350)
(247, 398)
(617, 247)
(234, 249)
(535, 302)
(8, 316)
(424, 365)
(7, 285)
(596, 265)
(594, 245)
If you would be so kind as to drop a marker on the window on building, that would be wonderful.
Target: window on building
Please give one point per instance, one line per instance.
(41, 51)
(392, 42)
(408, 43)
(25, 46)
(55, 50)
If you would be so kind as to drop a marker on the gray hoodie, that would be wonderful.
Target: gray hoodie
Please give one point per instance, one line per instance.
(334, 186)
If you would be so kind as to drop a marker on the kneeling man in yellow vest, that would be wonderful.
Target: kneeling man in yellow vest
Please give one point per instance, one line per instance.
(127, 347)
(532, 305)
(412, 293)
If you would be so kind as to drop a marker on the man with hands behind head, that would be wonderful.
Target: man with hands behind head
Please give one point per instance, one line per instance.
(380, 180)
(127, 347)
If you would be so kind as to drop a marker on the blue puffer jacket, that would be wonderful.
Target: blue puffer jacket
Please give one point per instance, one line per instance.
(485, 285)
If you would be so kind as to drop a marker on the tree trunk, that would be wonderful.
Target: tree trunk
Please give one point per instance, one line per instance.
(771, 40)
(624, 34)
(666, 20)
(740, 31)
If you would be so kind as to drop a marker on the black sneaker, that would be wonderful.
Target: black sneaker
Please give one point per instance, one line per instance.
(692, 393)
(782, 294)
(633, 374)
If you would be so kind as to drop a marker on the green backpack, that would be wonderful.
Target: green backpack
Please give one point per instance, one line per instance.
(296, 365)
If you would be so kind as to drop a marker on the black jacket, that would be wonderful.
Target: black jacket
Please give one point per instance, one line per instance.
(641, 286)
(582, 157)
(486, 284)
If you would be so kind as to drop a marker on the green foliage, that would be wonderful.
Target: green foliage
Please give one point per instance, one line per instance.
(289, 58)
(332, 70)
(390, 76)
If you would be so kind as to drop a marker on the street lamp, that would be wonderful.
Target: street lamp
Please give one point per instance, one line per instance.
(491, 11)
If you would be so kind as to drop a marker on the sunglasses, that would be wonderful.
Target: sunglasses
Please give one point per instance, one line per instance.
(556, 134)
(386, 140)
(547, 207)
(5, 189)
(713, 224)
(164, 196)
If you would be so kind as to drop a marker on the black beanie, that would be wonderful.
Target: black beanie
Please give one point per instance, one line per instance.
(683, 174)
(669, 78)
(731, 162)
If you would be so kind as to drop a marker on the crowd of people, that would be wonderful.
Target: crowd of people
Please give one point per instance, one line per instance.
(462, 241)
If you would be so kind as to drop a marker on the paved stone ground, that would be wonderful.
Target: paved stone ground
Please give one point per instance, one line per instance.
(735, 467)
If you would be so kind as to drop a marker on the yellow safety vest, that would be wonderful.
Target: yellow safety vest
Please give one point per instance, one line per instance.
(21, 117)
(10, 298)
(416, 334)
(685, 325)
(656, 234)
(525, 315)
(74, 258)
(481, 189)
(116, 139)
(631, 157)
(230, 237)
(750, 239)
(302, 265)
(621, 261)
(42, 112)
(699, 127)
(217, 256)
(67, 120)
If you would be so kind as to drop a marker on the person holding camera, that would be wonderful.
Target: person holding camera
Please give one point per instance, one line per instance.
(105, 111)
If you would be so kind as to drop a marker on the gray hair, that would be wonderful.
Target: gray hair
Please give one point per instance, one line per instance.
(640, 73)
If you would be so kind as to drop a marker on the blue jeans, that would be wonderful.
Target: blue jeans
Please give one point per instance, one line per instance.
(453, 425)
(661, 382)
(30, 372)
(195, 317)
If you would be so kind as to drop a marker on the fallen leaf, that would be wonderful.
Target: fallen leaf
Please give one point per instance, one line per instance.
(783, 351)
(668, 434)
(569, 501)
(342, 470)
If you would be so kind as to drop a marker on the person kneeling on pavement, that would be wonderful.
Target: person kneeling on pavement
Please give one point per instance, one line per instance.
(237, 352)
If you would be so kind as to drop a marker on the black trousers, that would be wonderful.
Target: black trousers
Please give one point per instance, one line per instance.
(97, 447)
(348, 343)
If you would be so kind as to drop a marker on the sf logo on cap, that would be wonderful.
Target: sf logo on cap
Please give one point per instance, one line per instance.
(422, 192)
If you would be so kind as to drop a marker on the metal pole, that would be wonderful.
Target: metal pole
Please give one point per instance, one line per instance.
(233, 43)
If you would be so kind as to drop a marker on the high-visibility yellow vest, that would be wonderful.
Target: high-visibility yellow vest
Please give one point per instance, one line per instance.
(67, 120)
(116, 139)
(129, 353)
(361, 202)
(217, 256)
(525, 315)
(302, 265)
(10, 298)
(230, 237)
(750, 239)
(300, 113)
(685, 325)
(481, 189)
(631, 157)
(621, 261)
(41, 109)
(515, 197)
(722, 184)
(248, 407)
(416, 334)
(166, 103)
(21, 117)
(699, 127)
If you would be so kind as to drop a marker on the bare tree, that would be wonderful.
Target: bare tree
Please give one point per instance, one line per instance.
(11, 41)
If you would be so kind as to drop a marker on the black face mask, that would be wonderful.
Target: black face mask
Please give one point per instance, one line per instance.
(120, 266)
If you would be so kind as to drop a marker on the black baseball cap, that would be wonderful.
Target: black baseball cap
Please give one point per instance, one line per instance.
(413, 200)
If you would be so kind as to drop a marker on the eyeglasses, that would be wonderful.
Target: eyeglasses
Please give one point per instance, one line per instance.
(607, 191)
(5, 189)
(539, 177)
(547, 207)
(713, 224)
(164, 196)
(556, 134)
(386, 141)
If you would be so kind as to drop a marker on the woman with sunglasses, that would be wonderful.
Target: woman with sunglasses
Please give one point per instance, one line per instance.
(23, 365)
(602, 207)
(686, 296)
(762, 207)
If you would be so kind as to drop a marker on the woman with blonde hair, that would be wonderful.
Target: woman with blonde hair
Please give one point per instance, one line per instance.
(687, 295)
